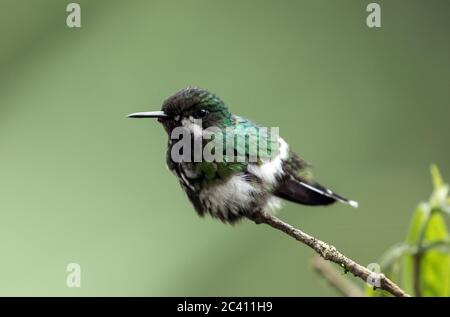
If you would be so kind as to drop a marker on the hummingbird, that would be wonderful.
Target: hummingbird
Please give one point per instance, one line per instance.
(227, 189)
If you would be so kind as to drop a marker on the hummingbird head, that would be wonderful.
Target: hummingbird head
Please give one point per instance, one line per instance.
(191, 108)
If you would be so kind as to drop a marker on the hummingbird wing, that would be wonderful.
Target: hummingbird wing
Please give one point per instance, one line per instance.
(282, 171)
(297, 185)
(312, 193)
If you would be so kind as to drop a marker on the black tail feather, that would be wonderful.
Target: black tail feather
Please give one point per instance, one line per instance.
(307, 193)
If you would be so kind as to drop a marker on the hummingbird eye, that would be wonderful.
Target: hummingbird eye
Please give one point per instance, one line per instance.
(201, 113)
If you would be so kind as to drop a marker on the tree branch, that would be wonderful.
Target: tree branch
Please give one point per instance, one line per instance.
(328, 252)
(335, 278)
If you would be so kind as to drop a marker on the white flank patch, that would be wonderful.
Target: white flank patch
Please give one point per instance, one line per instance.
(234, 194)
(269, 170)
(273, 204)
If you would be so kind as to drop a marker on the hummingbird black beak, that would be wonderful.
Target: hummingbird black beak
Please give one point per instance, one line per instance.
(150, 114)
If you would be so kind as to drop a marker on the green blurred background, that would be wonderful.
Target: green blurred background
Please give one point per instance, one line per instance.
(80, 183)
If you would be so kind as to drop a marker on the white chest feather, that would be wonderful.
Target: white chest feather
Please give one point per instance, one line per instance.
(238, 196)
(232, 196)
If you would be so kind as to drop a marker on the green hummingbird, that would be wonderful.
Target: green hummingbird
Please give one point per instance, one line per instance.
(230, 188)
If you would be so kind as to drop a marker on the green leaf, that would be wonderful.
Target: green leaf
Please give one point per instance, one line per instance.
(417, 222)
(439, 198)
(427, 227)
(422, 264)
(436, 263)
(436, 177)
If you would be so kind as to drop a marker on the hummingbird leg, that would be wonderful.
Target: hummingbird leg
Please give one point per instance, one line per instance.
(256, 217)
